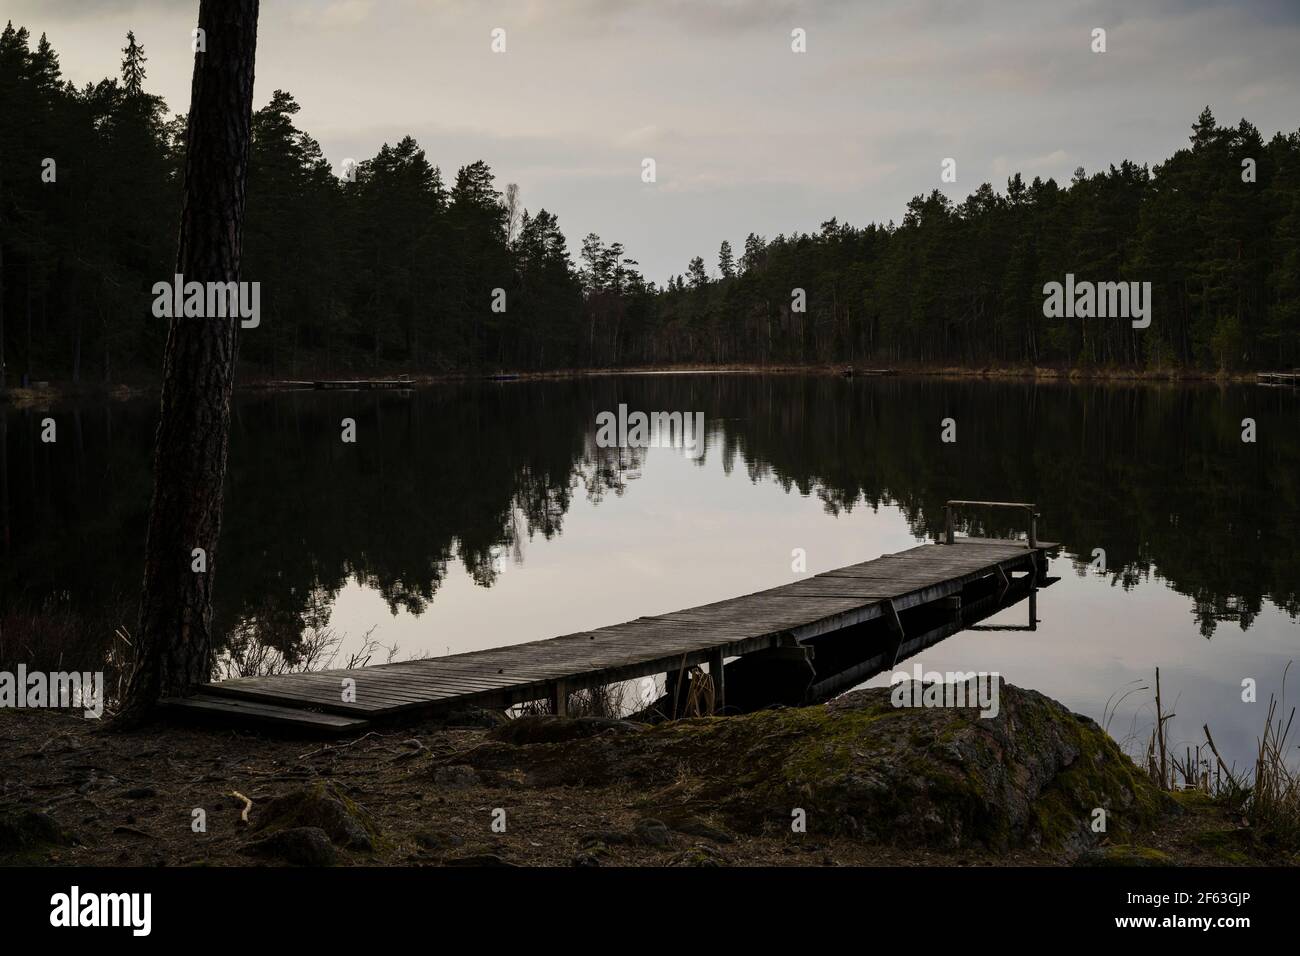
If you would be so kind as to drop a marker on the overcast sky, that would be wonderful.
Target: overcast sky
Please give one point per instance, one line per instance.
(747, 135)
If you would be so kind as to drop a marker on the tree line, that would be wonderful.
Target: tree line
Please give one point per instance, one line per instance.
(391, 266)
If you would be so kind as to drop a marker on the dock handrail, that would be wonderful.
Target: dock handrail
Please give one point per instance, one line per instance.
(949, 510)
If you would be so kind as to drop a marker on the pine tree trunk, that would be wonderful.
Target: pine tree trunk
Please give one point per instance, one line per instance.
(174, 641)
(2, 312)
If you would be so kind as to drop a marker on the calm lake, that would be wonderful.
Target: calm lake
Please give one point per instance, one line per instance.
(468, 516)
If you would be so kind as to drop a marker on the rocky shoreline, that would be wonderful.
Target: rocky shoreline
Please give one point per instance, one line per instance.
(853, 782)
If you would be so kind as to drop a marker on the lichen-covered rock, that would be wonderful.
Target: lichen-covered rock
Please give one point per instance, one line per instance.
(1032, 775)
(322, 806)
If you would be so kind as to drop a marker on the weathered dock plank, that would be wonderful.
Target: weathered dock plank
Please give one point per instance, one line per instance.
(784, 616)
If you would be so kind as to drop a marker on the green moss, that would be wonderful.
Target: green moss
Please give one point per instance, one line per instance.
(1227, 846)
(1102, 776)
(1126, 854)
(1194, 800)
(346, 822)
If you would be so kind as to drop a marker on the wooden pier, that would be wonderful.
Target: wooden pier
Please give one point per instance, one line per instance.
(795, 643)
(349, 384)
(1291, 378)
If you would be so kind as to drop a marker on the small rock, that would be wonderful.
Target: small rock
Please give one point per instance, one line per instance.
(323, 807)
(438, 839)
(304, 846)
(30, 830)
(140, 793)
(94, 783)
(652, 833)
(644, 833)
(456, 777)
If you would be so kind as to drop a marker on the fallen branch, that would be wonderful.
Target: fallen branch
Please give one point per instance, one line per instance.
(330, 748)
(417, 748)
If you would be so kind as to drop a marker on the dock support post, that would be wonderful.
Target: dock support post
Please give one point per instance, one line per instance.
(560, 699)
(1004, 582)
(672, 690)
(1033, 529)
(895, 624)
(717, 675)
(947, 524)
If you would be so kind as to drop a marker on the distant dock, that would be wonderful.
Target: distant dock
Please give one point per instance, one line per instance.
(1291, 378)
(798, 643)
(344, 384)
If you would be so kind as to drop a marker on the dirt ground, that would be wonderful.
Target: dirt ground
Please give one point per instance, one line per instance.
(131, 800)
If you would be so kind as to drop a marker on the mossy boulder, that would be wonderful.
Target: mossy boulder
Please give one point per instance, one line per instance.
(28, 834)
(322, 806)
(1032, 775)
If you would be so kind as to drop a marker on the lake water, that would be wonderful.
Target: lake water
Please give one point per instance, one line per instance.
(467, 516)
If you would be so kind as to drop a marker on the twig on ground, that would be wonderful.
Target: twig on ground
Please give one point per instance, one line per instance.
(330, 748)
(248, 805)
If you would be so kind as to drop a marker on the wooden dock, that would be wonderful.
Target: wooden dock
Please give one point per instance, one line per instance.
(906, 600)
(1291, 378)
(349, 384)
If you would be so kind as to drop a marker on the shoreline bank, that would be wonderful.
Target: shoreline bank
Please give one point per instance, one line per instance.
(50, 392)
(850, 783)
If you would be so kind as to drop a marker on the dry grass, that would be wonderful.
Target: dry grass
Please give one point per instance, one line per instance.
(604, 700)
(57, 636)
(1266, 798)
(247, 654)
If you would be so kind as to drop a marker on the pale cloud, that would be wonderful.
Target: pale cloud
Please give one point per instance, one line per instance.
(1053, 163)
(748, 136)
(334, 15)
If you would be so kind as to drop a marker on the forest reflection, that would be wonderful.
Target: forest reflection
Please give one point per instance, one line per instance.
(1157, 477)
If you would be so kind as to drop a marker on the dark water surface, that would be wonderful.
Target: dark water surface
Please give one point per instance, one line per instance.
(471, 516)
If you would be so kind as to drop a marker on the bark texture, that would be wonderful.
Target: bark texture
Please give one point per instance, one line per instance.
(173, 640)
